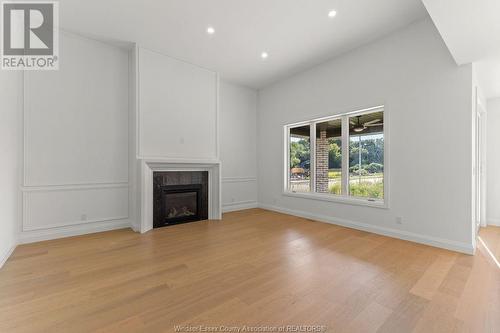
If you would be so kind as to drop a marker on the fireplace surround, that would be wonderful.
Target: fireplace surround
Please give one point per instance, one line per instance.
(147, 167)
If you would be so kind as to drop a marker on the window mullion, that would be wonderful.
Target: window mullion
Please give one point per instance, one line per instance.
(345, 156)
(313, 156)
(287, 159)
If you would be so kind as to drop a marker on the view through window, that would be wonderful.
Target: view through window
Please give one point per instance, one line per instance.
(329, 156)
(316, 161)
(300, 159)
(366, 156)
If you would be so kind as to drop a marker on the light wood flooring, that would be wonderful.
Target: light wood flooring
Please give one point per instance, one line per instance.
(255, 268)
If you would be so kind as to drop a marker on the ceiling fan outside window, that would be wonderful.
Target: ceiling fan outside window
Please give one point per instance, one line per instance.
(359, 127)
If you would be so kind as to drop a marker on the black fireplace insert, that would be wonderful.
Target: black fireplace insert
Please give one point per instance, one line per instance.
(179, 203)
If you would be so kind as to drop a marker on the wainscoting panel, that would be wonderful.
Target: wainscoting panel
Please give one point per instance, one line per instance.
(76, 118)
(178, 112)
(76, 142)
(239, 193)
(59, 207)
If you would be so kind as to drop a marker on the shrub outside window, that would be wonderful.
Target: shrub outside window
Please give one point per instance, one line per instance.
(342, 156)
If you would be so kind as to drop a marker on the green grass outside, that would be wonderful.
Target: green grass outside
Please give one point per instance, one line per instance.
(363, 189)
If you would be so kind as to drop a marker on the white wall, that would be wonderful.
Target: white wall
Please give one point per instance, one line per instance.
(428, 115)
(10, 115)
(177, 109)
(493, 162)
(238, 135)
(76, 142)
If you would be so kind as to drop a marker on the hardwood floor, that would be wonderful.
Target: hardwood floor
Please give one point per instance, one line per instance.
(255, 268)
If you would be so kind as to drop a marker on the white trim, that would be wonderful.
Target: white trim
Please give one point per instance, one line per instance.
(6, 255)
(238, 179)
(26, 109)
(217, 116)
(177, 59)
(73, 187)
(345, 157)
(69, 231)
(240, 205)
(177, 160)
(137, 100)
(404, 235)
(380, 108)
(494, 222)
(344, 198)
(146, 194)
(312, 160)
(286, 148)
(73, 223)
(338, 198)
(26, 216)
(132, 131)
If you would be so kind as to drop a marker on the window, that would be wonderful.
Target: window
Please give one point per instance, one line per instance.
(366, 156)
(299, 165)
(339, 158)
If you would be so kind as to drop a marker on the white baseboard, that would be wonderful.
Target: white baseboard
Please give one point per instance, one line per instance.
(240, 205)
(135, 227)
(5, 256)
(73, 230)
(494, 222)
(405, 235)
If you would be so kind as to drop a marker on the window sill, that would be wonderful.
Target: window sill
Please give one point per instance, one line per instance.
(339, 199)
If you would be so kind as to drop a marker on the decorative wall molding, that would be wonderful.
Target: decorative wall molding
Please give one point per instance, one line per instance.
(239, 205)
(73, 187)
(238, 179)
(177, 160)
(67, 224)
(35, 226)
(138, 51)
(26, 105)
(404, 235)
(114, 190)
(69, 231)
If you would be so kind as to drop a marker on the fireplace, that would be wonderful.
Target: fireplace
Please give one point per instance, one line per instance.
(180, 197)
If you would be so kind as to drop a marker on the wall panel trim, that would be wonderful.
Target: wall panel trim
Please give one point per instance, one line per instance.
(238, 179)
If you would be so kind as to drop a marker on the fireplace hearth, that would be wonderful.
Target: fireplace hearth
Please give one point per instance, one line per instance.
(180, 197)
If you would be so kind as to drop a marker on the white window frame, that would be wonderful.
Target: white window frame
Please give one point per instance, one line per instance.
(344, 198)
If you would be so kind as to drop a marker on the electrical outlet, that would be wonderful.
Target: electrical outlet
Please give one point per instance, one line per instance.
(399, 220)
(83, 217)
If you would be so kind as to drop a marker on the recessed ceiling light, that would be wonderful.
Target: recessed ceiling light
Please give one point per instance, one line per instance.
(210, 30)
(332, 13)
(264, 55)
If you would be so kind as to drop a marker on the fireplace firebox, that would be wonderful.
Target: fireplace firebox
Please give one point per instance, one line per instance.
(179, 197)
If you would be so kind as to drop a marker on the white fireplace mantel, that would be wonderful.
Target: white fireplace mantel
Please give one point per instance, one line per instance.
(148, 166)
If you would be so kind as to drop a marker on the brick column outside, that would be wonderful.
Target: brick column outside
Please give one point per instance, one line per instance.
(322, 148)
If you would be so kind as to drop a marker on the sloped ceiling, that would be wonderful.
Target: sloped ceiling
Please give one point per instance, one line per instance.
(297, 34)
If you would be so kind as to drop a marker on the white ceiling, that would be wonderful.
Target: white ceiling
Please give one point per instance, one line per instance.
(297, 34)
(471, 30)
